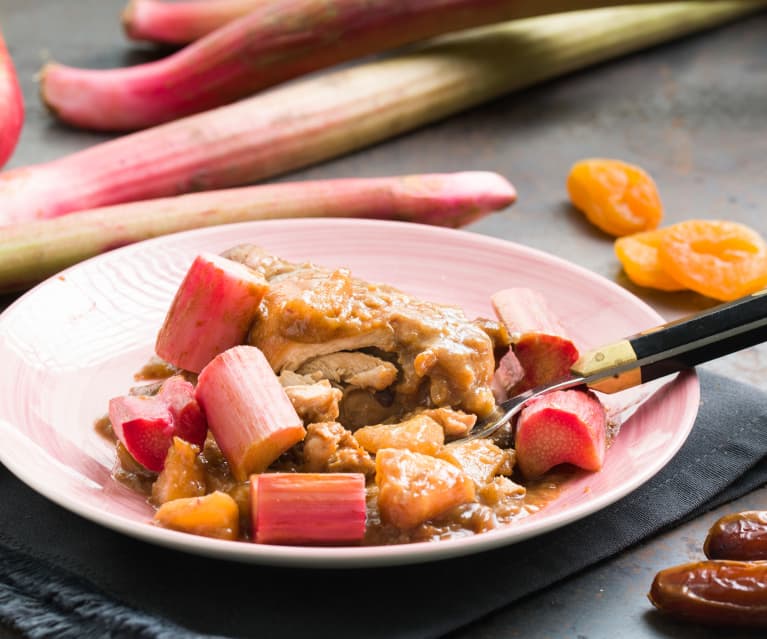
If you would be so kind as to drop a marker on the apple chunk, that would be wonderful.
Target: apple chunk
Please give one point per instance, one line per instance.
(213, 515)
(413, 487)
(561, 427)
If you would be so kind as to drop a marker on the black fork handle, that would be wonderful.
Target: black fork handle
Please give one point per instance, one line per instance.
(677, 345)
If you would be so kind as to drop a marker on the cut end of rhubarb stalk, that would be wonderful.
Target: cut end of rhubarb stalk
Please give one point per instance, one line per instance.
(248, 411)
(128, 18)
(456, 200)
(561, 427)
(211, 312)
(317, 509)
(63, 91)
(544, 359)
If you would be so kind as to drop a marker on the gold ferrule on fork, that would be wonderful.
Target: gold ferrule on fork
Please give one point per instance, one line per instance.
(607, 357)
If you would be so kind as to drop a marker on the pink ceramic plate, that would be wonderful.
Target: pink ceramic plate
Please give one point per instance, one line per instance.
(74, 341)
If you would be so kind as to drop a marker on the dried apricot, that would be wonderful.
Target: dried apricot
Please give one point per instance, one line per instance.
(720, 259)
(619, 198)
(638, 253)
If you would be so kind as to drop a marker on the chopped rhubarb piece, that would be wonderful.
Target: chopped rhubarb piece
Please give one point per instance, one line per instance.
(214, 515)
(539, 341)
(211, 311)
(413, 488)
(188, 418)
(421, 434)
(309, 509)
(144, 425)
(560, 427)
(329, 447)
(507, 376)
(247, 409)
(183, 474)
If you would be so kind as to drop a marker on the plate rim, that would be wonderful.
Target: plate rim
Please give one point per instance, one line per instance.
(353, 556)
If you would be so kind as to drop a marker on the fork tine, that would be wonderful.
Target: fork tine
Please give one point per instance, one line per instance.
(507, 410)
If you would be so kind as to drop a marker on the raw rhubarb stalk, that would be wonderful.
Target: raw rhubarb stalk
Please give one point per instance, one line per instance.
(274, 42)
(144, 425)
(309, 509)
(248, 411)
(561, 427)
(183, 22)
(212, 311)
(11, 105)
(33, 251)
(317, 118)
(188, 419)
(539, 341)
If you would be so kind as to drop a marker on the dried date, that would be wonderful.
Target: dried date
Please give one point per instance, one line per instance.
(714, 592)
(741, 536)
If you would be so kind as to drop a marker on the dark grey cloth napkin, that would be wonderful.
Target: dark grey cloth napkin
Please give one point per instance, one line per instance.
(61, 576)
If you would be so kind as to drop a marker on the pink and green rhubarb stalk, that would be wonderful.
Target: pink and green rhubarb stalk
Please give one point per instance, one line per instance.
(32, 251)
(11, 105)
(330, 114)
(273, 42)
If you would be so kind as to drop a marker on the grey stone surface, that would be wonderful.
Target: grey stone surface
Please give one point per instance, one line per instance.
(691, 112)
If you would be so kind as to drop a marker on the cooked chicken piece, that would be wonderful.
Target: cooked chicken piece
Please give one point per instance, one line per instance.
(504, 496)
(329, 447)
(291, 378)
(315, 402)
(480, 459)
(310, 311)
(356, 369)
(361, 407)
(455, 423)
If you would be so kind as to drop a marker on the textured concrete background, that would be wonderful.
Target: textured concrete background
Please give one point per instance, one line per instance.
(693, 113)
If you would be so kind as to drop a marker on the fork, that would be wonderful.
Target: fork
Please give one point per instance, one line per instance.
(651, 354)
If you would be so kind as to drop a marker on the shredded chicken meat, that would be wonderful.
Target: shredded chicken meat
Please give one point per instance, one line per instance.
(312, 319)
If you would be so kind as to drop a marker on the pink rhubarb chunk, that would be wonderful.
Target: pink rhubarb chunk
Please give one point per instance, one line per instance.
(507, 376)
(539, 341)
(144, 425)
(211, 312)
(248, 412)
(188, 419)
(308, 508)
(561, 427)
